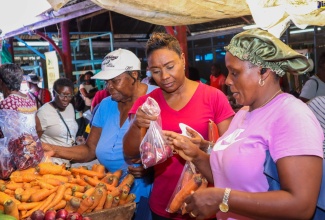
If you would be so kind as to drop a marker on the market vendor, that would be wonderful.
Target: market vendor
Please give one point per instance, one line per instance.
(121, 70)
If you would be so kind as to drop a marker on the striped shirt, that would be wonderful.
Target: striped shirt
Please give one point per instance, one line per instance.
(317, 105)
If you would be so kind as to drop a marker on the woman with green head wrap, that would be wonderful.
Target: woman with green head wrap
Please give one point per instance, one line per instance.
(270, 123)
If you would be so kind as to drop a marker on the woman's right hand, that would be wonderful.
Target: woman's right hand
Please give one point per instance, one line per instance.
(48, 150)
(142, 120)
(182, 145)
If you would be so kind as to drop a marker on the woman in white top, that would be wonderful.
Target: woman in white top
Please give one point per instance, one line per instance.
(55, 120)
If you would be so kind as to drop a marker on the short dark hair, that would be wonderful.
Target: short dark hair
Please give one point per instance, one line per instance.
(61, 83)
(12, 76)
(162, 40)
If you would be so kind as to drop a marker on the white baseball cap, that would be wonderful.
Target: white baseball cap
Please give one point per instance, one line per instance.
(117, 62)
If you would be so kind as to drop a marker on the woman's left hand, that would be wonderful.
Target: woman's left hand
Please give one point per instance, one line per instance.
(182, 145)
(203, 203)
(137, 171)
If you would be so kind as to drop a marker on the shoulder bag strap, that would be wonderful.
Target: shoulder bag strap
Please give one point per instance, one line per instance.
(57, 110)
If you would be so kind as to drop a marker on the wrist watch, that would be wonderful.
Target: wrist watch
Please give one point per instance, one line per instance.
(223, 206)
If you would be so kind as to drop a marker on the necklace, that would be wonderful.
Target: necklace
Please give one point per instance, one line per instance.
(270, 99)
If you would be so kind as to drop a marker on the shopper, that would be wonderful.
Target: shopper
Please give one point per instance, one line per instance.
(88, 89)
(121, 68)
(271, 121)
(315, 86)
(41, 95)
(217, 79)
(180, 100)
(11, 76)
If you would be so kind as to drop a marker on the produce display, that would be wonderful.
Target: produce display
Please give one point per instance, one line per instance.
(49, 191)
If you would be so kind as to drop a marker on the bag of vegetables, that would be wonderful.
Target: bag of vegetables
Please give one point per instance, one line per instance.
(153, 148)
(20, 140)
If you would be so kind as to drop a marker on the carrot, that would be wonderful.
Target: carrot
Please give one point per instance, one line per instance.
(39, 206)
(60, 205)
(187, 175)
(47, 201)
(27, 205)
(13, 185)
(4, 197)
(106, 177)
(49, 168)
(192, 185)
(41, 194)
(26, 185)
(72, 205)
(23, 172)
(78, 194)
(125, 192)
(90, 173)
(115, 192)
(108, 201)
(53, 182)
(131, 197)
(100, 169)
(116, 201)
(81, 182)
(94, 167)
(91, 181)
(102, 200)
(85, 204)
(19, 191)
(45, 185)
(128, 180)
(97, 196)
(58, 197)
(118, 173)
(9, 192)
(24, 197)
(25, 178)
(57, 177)
(68, 197)
(3, 187)
(1, 207)
(90, 192)
(2, 181)
(10, 208)
(77, 188)
(68, 191)
(113, 180)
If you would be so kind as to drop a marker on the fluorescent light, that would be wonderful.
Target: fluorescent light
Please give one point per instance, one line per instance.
(302, 31)
(34, 43)
(250, 27)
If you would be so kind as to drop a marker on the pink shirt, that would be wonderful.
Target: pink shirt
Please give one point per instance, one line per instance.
(206, 103)
(285, 127)
(99, 96)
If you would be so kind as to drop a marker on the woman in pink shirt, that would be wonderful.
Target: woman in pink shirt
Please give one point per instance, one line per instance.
(271, 123)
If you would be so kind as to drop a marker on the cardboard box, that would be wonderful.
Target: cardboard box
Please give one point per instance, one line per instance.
(124, 212)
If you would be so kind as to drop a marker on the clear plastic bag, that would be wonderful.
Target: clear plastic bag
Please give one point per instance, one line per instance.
(189, 181)
(22, 141)
(153, 148)
(6, 163)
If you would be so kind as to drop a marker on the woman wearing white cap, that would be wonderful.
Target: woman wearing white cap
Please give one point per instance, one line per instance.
(121, 71)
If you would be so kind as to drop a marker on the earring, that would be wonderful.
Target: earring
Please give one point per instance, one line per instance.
(261, 82)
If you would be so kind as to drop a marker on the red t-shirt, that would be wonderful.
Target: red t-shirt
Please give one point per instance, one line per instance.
(217, 82)
(206, 103)
(99, 96)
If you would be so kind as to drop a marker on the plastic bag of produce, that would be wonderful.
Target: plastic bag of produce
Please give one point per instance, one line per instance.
(22, 141)
(6, 163)
(153, 148)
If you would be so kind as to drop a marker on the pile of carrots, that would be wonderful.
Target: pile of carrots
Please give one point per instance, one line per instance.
(51, 186)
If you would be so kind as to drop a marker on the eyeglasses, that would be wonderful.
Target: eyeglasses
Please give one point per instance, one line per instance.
(64, 96)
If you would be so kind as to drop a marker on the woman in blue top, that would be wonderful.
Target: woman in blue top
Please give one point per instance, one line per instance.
(121, 70)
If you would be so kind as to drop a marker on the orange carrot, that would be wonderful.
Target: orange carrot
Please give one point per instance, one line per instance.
(60, 205)
(58, 177)
(91, 181)
(25, 178)
(10, 208)
(45, 185)
(4, 197)
(78, 194)
(118, 173)
(51, 168)
(41, 194)
(13, 185)
(3, 187)
(125, 192)
(47, 201)
(23, 172)
(131, 197)
(90, 173)
(27, 205)
(101, 203)
(9, 192)
(23, 197)
(115, 192)
(113, 180)
(68, 197)
(77, 188)
(116, 201)
(58, 197)
(72, 205)
(85, 204)
(81, 182)
(100, 169)
(187, 175)
(106, 177)
(108, 202)
(97, 196)
(128, 180)
(90, 192)
(53, 182)
(192, 185)
(26, 185)
(94, 167)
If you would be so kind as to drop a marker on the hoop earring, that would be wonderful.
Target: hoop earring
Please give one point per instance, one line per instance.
(261, 82)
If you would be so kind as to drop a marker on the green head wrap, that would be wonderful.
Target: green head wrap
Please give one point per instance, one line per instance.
(263, 49)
